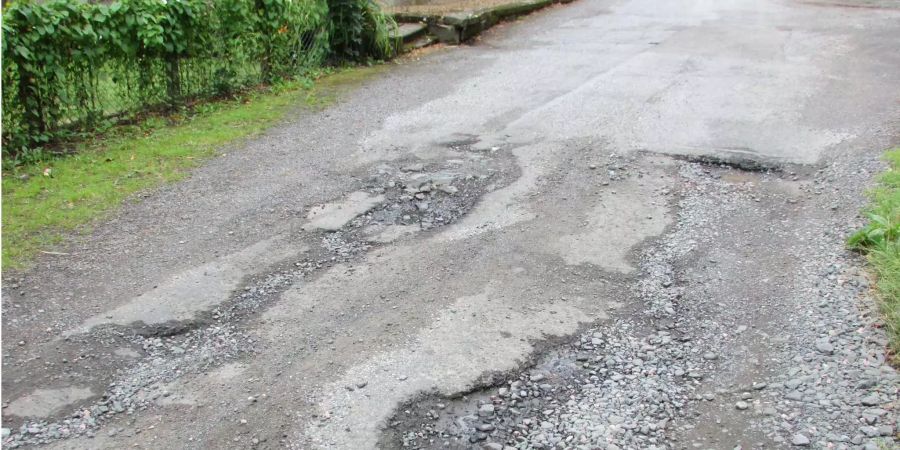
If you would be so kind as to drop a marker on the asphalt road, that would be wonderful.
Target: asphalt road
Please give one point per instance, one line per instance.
(459, 217)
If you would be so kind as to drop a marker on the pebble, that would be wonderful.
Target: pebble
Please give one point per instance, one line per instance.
(825, 347)
(485, 410)
(800, 440)
(870, 400)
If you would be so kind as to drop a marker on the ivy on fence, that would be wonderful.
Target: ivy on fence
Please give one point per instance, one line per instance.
(69, 64)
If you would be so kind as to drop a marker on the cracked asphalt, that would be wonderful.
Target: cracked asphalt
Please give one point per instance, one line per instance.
(610, 224)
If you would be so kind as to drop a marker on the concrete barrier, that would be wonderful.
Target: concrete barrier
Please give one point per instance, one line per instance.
(455, 28)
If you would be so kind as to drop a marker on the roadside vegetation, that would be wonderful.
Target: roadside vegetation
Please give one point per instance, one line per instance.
(102, 100)
(880, 241)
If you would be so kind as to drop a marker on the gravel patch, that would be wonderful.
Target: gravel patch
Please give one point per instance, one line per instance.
(708, 362)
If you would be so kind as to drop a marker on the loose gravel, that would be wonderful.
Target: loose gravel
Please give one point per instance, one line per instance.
(707, 364)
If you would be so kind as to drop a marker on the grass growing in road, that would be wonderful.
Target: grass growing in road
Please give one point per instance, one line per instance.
(880, 239)
(46, 201)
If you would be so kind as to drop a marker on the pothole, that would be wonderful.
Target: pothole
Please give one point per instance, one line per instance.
(395, 201)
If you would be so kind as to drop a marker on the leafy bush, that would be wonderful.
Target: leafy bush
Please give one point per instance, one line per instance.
(359, 30)
(70, 65)
(884, 212)
(879, 232)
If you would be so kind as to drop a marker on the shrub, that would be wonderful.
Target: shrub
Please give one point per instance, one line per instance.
(69, 65)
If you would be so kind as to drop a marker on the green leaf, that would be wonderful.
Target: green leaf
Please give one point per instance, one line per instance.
(23, 52)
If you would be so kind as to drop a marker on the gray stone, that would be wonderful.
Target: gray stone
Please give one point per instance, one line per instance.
(869, 431)
(485, 427)
(870, 400)
(825, 347)
(800, 440)
(486, 410)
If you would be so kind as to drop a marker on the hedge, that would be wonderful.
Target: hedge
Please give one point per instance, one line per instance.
(69, 64)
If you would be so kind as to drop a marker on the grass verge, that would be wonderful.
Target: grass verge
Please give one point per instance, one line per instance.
(880, 240)
(46, 201)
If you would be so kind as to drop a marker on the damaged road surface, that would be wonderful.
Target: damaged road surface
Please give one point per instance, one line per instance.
(613, 224)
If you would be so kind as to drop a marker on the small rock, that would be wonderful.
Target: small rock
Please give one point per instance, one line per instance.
(825, 347)
(742, 405)
(870, 400)
(486, 410)
(486, 427)
(800, 440)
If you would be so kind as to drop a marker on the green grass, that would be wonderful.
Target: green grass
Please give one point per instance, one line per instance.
(41, 212)
(880, 239)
